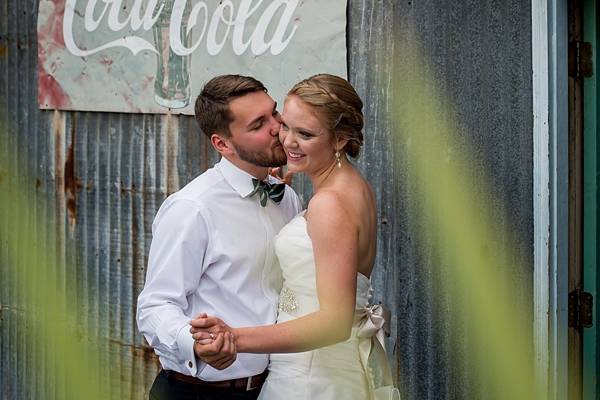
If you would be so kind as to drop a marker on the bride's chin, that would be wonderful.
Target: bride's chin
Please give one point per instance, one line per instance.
(292, 168)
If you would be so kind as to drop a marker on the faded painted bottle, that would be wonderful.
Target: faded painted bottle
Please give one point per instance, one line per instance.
(172, 81)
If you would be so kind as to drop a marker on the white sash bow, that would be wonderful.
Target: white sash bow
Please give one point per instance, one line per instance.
(372, 346)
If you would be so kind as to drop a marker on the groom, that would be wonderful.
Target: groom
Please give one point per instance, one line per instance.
(212, 248)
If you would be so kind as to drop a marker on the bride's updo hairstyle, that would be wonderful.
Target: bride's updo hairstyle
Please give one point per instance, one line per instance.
(337, 105)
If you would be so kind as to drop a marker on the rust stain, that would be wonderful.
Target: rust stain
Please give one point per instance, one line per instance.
(3, 51)
(52, 31)
(58, 123)
(50, 92)
(148, 355)
(50, 41)
(106, 61)
(71, 181)
(144, 351)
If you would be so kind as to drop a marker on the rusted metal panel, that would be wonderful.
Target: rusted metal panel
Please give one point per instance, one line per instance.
(101, 177)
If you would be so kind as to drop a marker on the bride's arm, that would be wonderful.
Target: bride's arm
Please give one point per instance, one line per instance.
(334, 237)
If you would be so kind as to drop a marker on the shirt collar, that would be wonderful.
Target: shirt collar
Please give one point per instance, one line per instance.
(240, 180)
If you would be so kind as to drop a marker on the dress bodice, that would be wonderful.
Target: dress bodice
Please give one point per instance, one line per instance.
(296, 259)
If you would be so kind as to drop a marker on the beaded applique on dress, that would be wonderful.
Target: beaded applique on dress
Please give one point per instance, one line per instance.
(287, 300)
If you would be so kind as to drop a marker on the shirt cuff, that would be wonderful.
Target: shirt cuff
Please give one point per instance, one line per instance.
(185, 343)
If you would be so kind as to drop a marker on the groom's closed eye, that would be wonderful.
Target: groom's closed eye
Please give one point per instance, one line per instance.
(256, 124)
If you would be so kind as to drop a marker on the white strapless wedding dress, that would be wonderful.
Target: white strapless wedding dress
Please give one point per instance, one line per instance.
(339, 371)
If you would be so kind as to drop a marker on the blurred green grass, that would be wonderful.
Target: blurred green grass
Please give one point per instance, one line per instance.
(465, 234)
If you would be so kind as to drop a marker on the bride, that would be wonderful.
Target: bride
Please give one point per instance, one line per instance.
(326, 331)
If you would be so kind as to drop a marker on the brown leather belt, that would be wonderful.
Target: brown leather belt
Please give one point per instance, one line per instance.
(249, 383)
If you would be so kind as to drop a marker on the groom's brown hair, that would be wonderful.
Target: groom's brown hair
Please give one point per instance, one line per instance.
(212, 104)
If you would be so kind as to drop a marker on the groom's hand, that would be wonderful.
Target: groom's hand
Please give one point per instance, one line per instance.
(214, 342)
(286, 178)
(219, 354)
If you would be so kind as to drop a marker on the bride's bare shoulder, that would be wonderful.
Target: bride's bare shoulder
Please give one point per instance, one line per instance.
(329, 206)
(326, 201)
(328, 216)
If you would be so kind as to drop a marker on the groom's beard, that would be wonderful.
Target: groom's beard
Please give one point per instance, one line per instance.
(274, 157)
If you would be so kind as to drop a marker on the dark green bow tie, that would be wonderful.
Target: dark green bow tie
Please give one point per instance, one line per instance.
(266, 190)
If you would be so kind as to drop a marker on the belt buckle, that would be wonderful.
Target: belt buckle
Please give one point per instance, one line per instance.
(249, 384)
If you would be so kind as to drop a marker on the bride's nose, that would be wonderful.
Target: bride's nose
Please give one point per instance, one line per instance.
(285, 137)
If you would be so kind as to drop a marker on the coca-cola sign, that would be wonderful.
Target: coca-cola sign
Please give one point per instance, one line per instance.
(153, 56)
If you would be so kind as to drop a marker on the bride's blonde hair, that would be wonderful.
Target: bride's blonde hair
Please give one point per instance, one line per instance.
(337, 105)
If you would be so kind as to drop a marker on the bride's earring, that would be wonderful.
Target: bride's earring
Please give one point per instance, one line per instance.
(338, 159)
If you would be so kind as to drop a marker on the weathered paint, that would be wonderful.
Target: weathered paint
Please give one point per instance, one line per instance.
(101, 177)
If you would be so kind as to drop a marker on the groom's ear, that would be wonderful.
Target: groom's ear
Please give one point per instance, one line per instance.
(221, 144)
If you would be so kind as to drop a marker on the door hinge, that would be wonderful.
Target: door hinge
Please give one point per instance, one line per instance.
(580, 59)
(581, 305)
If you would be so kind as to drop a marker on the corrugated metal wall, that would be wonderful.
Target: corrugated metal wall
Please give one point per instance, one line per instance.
(101, 177)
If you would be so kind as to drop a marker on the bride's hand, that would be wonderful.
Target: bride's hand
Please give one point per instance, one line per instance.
(208, 325)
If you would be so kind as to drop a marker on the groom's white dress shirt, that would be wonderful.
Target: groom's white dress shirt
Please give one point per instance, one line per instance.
(212, 252)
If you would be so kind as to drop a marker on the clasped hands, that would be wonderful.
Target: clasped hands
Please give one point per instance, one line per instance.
(214, 341)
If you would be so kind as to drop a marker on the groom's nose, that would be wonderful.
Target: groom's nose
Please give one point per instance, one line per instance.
(275, 125)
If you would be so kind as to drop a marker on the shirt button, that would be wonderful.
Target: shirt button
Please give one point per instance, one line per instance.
(190, 364)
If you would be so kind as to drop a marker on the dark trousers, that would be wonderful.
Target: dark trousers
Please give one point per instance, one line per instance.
(167, 388)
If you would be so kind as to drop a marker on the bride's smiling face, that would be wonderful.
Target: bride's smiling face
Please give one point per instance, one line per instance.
(308, 145)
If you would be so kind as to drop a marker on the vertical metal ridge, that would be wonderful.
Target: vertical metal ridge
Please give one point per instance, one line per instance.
(29, 48)
(125, 264)
(136, 150)
(20, 164)
(83, 250)
(113, 249)
(57, 275)
(6, 312)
